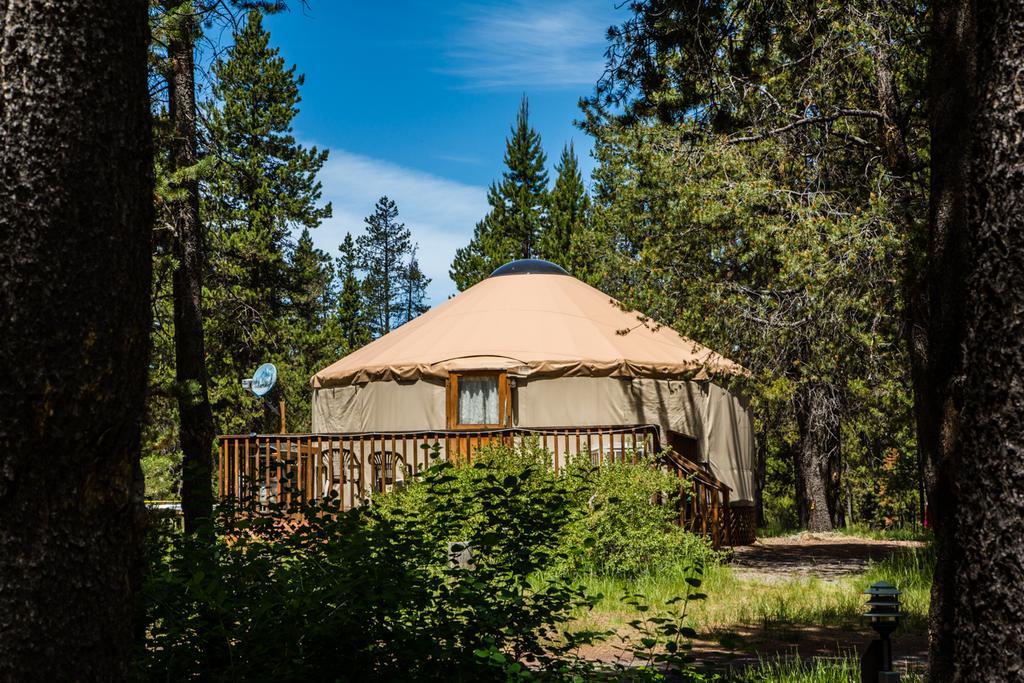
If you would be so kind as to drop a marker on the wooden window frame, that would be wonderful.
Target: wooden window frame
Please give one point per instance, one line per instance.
(504, 400)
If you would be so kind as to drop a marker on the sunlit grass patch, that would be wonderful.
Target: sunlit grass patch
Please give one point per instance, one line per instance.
(908, 533)
(736, 601)
(819, 670)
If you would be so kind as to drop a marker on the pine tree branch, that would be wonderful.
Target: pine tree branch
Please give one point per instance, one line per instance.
(807, 121)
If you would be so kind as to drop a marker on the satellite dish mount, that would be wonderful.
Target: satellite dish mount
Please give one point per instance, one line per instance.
(261, 384)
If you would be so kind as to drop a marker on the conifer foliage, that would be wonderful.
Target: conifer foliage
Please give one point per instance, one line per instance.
(269, 293)
(381, 253)
(350, 311)
(517, 221)
(268, 296)
(760, 190)
(568, 209)
(414, 287)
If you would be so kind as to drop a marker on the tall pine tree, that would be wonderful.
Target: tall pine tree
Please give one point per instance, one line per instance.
(261, 189)
(783, 241)
(568, 208)
(414, 286)
(381, 254)
(311, 275)
(191, 380)
(513, 227)
(76, 222)
(311, 337)
(350, 315)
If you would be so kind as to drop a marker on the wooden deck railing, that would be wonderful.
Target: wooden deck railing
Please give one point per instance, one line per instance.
(705, 508)
(260, 470)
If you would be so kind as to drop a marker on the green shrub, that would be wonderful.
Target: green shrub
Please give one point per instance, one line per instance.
(620, 521)
(366, 595)
(160, 471)
(372, 594)
(624, 524)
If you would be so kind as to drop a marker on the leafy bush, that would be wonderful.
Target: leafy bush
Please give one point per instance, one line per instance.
(625, 522)
(620, 520)
(306, 593)
(161, 474)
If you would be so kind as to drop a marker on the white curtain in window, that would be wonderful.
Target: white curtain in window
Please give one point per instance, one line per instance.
(478, 400)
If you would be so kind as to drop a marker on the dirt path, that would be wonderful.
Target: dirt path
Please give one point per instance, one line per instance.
(753, 646)
(829, 557)
(826, 556)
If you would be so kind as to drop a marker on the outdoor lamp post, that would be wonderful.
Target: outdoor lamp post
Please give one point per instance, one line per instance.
(883, 615)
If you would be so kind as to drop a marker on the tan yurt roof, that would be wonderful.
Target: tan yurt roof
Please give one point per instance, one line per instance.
(532, 318)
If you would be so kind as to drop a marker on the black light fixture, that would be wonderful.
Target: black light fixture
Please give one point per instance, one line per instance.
(883, 615)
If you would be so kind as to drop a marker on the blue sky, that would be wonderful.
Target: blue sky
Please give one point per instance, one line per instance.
(415, 100)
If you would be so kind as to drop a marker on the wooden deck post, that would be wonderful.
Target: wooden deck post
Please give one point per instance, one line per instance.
(727, 515)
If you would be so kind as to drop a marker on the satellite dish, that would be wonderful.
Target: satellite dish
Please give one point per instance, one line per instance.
(264, 379)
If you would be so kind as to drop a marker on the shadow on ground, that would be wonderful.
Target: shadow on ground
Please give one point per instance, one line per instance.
(825, 556)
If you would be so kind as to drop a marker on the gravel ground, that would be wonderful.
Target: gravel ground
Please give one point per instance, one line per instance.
(826, 556)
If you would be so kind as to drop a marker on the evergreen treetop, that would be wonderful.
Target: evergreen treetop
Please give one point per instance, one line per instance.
(414, 285)
(312, 273)
(524, 185)
(351, 315)
(514, 226)
(269, 295)
(263, 178)
(568, 206)
(381, 252)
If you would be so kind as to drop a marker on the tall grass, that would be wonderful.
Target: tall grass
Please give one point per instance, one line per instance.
(812, 601)
(657, 589)
(733, 601)
(793, 670)
(904, 533)
(911, 570)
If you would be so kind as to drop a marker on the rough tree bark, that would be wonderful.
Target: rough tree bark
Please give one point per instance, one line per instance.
(974, 415)
(800, 489)
(939, 310)
(938, 306)
(760, 472)
(76, 198)
(196, 431)
(818, 457)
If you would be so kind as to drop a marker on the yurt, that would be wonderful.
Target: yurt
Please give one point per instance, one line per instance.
(532, 347)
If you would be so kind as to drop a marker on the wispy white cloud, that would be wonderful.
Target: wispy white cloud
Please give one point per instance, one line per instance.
(529, 44)
(439, 212)
(460, 159)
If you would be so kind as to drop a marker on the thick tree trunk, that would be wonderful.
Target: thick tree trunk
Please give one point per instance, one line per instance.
(937, 314)
(760, 474)
(817, 457)
(76, 217)
(974, 418)
(799, 490)
(195, 417)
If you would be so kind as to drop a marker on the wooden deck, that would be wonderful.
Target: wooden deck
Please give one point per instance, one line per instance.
(260, 470)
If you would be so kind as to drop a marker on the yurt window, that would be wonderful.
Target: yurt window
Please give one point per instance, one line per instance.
(477, 400)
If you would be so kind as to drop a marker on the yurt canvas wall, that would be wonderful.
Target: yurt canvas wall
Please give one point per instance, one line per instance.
(718, 420)
(380, 407)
